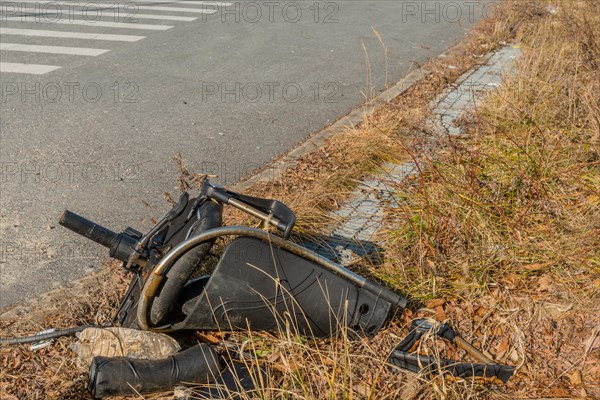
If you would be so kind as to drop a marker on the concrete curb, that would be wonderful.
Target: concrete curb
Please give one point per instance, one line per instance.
(276, 169)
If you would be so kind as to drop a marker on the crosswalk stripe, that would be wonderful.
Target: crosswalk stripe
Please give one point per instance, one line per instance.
(206, 3)
(199, 3)
(92, 6)
(87, 22)
(72, 35)
(53, 16)
(35, 69)
(177, 9)
(125, 2)
(76, 51)
(163, 17)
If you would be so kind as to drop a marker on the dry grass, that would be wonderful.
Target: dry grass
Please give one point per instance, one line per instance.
(51, 373)
(499, 234)
(504, 223)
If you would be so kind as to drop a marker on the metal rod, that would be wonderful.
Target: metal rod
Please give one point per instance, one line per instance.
(473, 352)
(253, 211)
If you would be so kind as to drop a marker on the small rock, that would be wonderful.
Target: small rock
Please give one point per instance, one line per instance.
(181, 393)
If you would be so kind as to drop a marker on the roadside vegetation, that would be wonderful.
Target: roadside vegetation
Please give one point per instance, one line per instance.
(499, 234)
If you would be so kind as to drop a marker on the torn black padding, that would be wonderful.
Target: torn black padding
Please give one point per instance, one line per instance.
(122, 376)
(421, 363)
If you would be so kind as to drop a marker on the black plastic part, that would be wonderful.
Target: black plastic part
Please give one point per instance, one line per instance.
(88, 229)
(123, 376)
(121, 246)
(197, 216)
(421, 326)
(178, 207)
(264, 287)
(370, 313)
(209, 216)
(191, 290)
(124, 247)
(401, 357)
(236, 382)
(421, 363)
(126, 313)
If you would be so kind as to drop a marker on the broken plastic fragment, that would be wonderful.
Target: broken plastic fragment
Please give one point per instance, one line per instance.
(122, 342)
(42, 343)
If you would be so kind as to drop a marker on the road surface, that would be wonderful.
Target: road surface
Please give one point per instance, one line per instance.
(98, 97)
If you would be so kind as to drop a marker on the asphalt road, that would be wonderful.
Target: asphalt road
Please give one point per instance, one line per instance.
(96, 101)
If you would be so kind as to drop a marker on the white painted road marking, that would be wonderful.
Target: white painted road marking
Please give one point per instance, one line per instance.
(198, 3)
(126, 12)
(94, 3)
(71, 35)
(205, 3)
(35, 69)
(176, 9)
(163, 17)
(93, 6)
(76, 51)
(53, 16)
(86, 22)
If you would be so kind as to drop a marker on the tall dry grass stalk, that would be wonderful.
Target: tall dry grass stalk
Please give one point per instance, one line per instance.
(523, 187)
(501, 227)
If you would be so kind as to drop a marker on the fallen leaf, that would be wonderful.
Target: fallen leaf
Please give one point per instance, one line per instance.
(273, 357)
(594, 372)
(208, 338)
(481, 311)
(559, 392)
(327, 361)
(285, 367)
(537, 266)
(575, 377)
(67, 384)
(514, 356)
(502, 347)
(362, 389)
(544, 283)
(435, 303)
(555, 311)
(593, 342)
(440, 314)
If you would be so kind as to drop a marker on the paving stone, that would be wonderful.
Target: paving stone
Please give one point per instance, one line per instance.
(363, 215)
